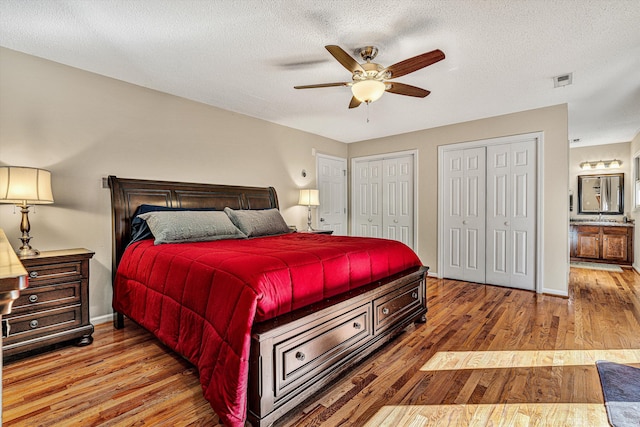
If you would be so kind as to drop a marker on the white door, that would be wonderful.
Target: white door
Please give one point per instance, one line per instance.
(332, 186)
(511, 197)
(367, 194)
(464, 214)
(383, 197)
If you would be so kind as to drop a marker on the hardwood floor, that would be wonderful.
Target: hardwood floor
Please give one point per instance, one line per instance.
(487, 356)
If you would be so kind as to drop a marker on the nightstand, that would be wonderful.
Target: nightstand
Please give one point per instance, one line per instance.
(55, 306)
(316, 231)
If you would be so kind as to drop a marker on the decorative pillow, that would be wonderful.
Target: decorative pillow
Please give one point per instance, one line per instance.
(140, 229)
(190, 226)
(254, 223)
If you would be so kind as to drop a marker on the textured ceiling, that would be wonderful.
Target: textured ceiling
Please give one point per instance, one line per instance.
(246, 56)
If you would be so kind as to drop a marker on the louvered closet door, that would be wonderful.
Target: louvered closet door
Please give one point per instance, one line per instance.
(368, 199)
(511, 197)
(464, 218)
(398, 199)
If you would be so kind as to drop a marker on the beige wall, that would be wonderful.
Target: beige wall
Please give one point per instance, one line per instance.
(601, 152)
(552, 121)
(82, 127)
(634, 150)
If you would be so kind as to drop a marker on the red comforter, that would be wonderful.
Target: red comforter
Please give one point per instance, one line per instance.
(201, 299)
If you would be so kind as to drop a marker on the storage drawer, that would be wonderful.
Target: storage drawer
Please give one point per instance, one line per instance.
(595, 229)
(40, 275)
(42, 323)
(388, 308)
(314, 351)
(45, 297)
(623, 231)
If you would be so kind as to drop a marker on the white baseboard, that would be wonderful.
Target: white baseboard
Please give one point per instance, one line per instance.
(555, 292)
(98, 320)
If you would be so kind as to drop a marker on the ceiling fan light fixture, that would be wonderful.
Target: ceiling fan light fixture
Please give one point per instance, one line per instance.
(368, 90)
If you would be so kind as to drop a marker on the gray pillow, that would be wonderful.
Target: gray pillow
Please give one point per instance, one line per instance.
(190, 226)
(256, 223)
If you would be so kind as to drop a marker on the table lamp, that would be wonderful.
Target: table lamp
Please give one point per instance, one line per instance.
(24, 187)
(309, 197)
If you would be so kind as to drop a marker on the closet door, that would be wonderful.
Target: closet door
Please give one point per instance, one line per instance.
(397, 198)
(511, 197)
(464, 217)
(368, 199)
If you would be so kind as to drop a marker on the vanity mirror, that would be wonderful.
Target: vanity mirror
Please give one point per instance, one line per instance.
(601, 194)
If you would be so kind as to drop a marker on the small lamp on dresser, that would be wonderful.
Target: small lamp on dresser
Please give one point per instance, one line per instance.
(309, 197)
(24, 187)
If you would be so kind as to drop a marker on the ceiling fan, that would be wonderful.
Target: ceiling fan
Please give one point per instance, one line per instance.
(371, 80)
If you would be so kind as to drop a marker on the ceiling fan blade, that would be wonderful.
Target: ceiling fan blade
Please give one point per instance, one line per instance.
(354, 102)
(413, 64)
(321, 85)
(403, 89)
(344, 58)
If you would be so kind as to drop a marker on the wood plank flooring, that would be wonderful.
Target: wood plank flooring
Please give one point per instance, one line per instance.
(487, 356)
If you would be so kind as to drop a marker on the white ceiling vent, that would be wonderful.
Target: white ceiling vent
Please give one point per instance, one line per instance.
(563, 80)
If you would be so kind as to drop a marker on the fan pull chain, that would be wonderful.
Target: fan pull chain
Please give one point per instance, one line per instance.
(368, 102)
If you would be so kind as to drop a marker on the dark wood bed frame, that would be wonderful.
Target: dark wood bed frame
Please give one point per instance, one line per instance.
(294, 355)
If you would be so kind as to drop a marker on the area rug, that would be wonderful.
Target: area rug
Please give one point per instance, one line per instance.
(597, 266)
(621, 389)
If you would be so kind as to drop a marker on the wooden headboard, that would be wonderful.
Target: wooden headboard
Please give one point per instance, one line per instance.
(128, 194)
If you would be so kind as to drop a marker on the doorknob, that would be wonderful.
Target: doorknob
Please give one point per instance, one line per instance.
(395, 221)
(370, 220)
(506, 223)
(321, 219)
(464, 222)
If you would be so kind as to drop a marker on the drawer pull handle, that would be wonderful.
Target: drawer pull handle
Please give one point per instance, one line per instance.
(414, 295)
(300, 356)
(357, 325)
(6, 328)
(33, 274)
(33, 324)
(385, 310)
(33, 298)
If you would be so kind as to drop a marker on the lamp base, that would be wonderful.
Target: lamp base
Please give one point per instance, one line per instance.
(309, 219)
(26, 249)
(27, 252)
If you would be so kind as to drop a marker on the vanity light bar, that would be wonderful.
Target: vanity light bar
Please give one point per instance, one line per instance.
(601, 164)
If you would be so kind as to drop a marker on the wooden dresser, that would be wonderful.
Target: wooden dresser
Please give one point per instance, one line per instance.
(55, 306)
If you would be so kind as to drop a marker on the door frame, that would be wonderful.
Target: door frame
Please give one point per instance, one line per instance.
(539, 142)
(346, 185)
(395, 154)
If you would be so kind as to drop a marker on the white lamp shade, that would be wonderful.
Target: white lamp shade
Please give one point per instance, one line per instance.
(309, 197)
(20, 185)
(600, 165)
(368, 90)
(615, 164)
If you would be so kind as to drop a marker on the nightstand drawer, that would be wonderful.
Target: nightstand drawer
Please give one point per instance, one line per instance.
(49, 296)
(40, 275)
(42, 323)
